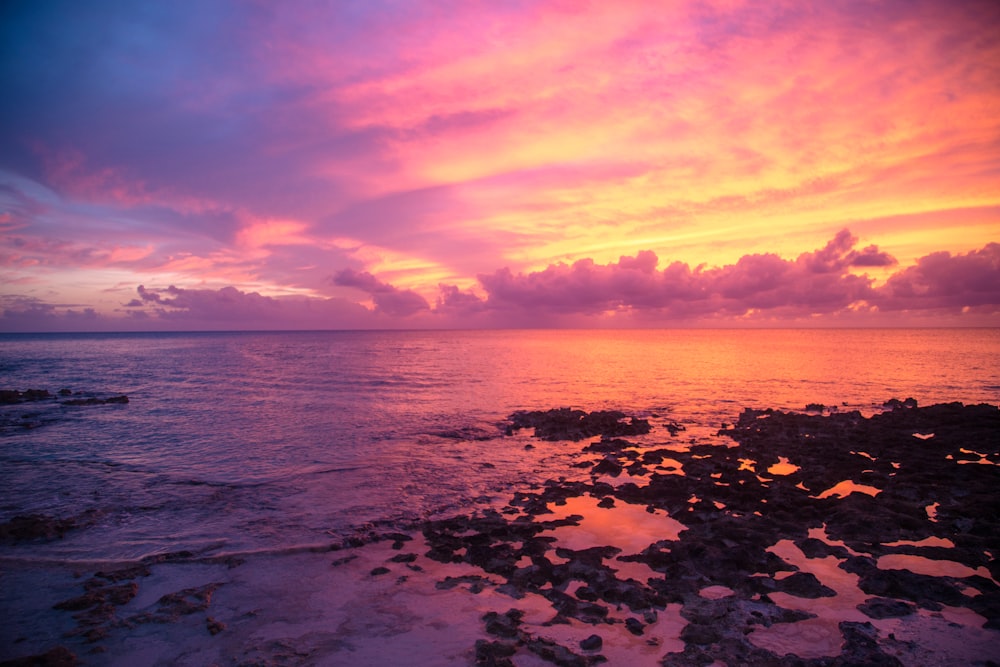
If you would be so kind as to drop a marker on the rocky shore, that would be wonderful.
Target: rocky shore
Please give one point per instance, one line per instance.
(814, 538)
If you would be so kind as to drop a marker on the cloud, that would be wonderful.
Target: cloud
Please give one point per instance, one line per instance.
(631, 291)
(839, 254)
(814, 283)
(388, 299)
(945, 281)
(230, 308)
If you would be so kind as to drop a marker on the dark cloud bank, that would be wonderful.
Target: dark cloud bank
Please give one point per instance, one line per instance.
(757, 288)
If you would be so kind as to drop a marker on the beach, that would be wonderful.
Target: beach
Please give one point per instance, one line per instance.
(814, 537)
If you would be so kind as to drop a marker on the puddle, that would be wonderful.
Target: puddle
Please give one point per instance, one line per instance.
(846, 488)
(715, 592)
(930, 566)
(782, 467)
(628, 527)
(926, 542)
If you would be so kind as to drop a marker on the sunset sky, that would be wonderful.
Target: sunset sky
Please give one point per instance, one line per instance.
(377, 164)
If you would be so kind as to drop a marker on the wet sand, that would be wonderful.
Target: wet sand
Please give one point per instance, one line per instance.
(811, 538)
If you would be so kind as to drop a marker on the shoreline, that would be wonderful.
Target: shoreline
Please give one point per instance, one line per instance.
(805, 538)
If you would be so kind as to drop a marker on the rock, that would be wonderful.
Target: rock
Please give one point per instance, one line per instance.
(634, 625)
(494, 654)
(503, 625)
(804, 585)
(592, 643)
(379, 571)
(403, 558)
(861, 646)
(96, 401)
(700, 634)
(879, 608)
(41, 526)
(608, 466)
(10, 396)
(59, 656)
(569, 424)
(559, 655)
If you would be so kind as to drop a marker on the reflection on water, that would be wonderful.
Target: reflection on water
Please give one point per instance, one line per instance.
(929, 566)
(846, 488)
(629, 527)
(782, 467)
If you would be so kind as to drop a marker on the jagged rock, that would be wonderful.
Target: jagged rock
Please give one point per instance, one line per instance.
(569, 424)
(503, 625)
(60, 656)
(879, 608)
(494, 654)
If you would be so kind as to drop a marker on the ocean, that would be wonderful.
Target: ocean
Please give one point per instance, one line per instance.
(235, 444)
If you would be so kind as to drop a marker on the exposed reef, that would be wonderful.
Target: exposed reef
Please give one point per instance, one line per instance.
(735, 506)
(701, 551)
(44, 407)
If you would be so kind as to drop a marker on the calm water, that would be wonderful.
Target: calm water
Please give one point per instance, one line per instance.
(268, 441)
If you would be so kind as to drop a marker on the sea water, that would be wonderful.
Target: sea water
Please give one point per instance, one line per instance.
(247, 442)
(242, 461)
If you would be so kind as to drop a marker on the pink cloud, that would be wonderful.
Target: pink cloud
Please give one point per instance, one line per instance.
(818, 282)
(388, 299)
(945, 281)
(230, 308)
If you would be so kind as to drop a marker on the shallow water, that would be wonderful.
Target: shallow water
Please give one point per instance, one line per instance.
(247, 441)
(271, 446)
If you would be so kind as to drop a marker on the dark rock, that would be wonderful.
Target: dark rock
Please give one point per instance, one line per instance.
(879, 608)
(592, 643)
(379, 571)
(214, 627)
(172, 606)
(59, 656)
(41, 526)
(343, 561)
(569, 424)
(700, 634)
(606, 446)
(503, 625)
(403, 558)
(494, 654)
(608, 466)
(861, 646)
(804, 585)
(96, 401)
(634, 625)
(11, 396)
(560, 655)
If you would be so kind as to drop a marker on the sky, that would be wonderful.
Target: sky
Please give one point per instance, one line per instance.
(205, 165)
